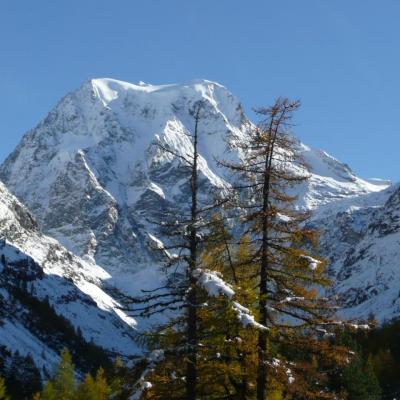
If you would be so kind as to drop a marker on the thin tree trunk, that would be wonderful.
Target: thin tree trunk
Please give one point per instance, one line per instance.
(262, 303)
(191, 368)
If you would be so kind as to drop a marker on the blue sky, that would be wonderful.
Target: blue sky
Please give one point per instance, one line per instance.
(341, 58)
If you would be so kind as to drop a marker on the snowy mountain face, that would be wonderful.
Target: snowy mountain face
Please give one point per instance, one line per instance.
(93, 175)
(362, 241)
(35, 269)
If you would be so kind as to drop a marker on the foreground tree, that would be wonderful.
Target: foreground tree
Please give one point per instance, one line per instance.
(180, 336)
(286, 275)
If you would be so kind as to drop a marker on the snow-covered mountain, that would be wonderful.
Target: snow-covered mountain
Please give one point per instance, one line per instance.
(361, 238)
(93, 176)
(36, 269)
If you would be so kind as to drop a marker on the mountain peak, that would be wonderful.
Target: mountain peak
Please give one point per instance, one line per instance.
(109, 88)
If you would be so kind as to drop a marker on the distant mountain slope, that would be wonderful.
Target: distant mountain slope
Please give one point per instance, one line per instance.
(362, 240)
(39, 277)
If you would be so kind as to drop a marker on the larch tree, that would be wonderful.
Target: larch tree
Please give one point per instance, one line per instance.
(63, 386)
(182, 293)
(286, 276)
(231, 325)
(94, 388)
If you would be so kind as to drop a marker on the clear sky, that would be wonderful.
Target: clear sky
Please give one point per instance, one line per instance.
(341, 58)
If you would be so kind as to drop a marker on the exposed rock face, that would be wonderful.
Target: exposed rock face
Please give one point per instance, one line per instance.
(363, 243)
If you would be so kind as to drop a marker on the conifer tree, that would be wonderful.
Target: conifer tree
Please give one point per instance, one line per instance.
(285, 274)
(180, 291)
(63, 385)
(3, 392)
(232, 339)
(64, 382)
(94, 388)
(22, 377)
(118, 378)
(360, 381)
(30, 378)
(87, 389)
(48, 392)
(357, 379)
(226, 330)
(102, 388)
